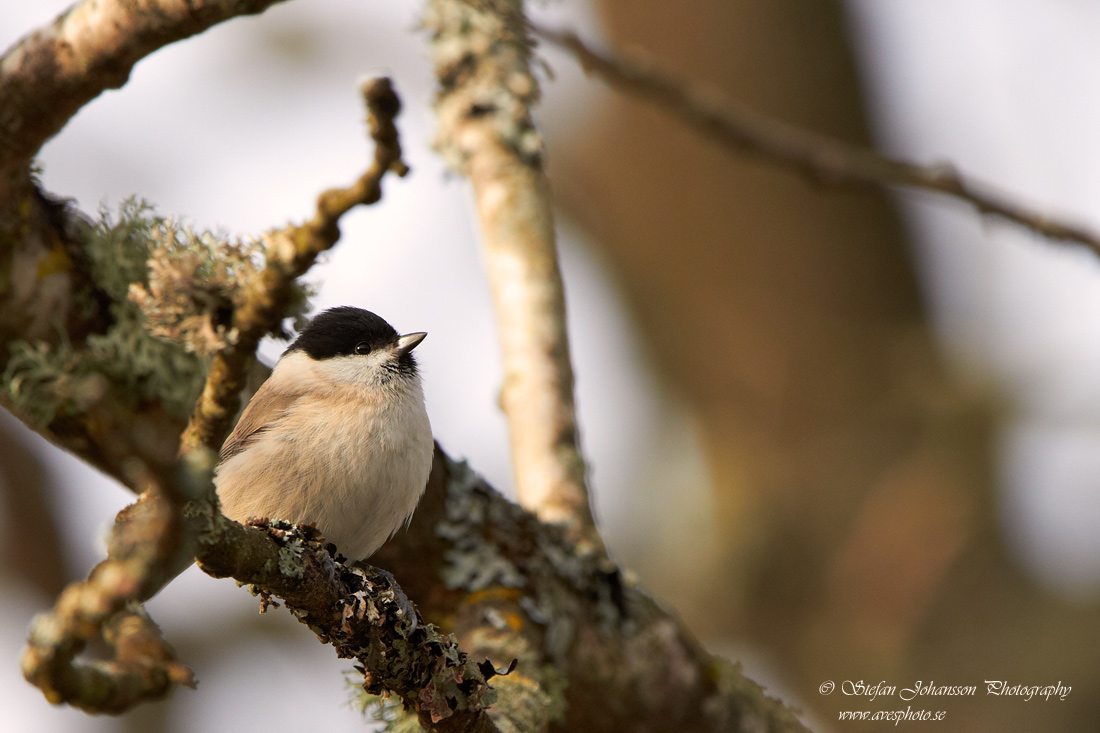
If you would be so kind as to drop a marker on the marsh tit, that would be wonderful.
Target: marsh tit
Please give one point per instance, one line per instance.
(337, 436)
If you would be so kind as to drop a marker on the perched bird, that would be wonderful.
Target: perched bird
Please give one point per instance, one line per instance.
(337, 436)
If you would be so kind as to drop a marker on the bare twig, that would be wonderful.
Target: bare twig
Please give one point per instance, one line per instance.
(818, 156)
(50, 74)
(481, 54)
(291, 251)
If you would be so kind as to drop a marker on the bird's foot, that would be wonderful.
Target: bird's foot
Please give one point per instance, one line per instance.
(408, 610)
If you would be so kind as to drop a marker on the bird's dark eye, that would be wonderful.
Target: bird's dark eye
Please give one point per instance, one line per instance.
(362, 348)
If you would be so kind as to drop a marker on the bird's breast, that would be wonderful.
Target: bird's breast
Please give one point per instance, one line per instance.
(356, 468)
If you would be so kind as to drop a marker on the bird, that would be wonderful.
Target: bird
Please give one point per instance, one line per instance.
(338, 436)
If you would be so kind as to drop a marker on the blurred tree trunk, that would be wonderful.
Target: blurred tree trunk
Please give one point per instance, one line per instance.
(852, 478)
(31, 546)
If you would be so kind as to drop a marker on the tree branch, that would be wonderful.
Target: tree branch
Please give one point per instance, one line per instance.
(355, 609)
(91, 47)
(143, 666)
(595, 652)
(481, 54)
(818, 156)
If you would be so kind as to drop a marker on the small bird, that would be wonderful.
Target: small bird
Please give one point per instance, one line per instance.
(337, 436)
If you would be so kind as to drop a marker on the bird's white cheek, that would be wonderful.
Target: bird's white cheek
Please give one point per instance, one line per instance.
(353, 370)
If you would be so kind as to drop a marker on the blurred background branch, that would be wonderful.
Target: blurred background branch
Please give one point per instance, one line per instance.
(857, 476)
(32, 550)
(822, 158)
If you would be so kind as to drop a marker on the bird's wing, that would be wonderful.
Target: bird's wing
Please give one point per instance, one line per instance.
(266, 408)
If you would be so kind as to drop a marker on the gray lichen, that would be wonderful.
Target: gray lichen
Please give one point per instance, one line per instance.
(524, 704)
(290, 559)
(472, 562)
(190, 286)
(473, 48)
(44, 380)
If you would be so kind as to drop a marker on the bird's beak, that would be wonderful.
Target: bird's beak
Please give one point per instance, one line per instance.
(408, 342)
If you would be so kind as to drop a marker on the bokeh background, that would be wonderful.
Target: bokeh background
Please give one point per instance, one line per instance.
(850, 436)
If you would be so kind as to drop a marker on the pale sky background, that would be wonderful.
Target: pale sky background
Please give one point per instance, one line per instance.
(231, 130)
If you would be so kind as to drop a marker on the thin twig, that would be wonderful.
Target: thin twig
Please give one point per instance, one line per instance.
(291, 252)
(818, 156)
(481, 54)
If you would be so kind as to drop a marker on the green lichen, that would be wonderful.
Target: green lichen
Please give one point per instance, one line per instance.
(523, 704)
(118, 248)
(44, 380)
(51, 380)
(170, 291)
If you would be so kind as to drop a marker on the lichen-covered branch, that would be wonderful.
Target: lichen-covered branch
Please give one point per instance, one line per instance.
(822, 158)
(595, 652)
(486, 90)
(354, 608)
(291, 251)
(45, 271)
(50, 74)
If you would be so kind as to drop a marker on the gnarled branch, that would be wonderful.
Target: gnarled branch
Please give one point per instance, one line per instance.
(143, 666)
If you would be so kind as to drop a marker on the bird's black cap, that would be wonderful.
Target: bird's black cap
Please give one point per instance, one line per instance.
(338, 331)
